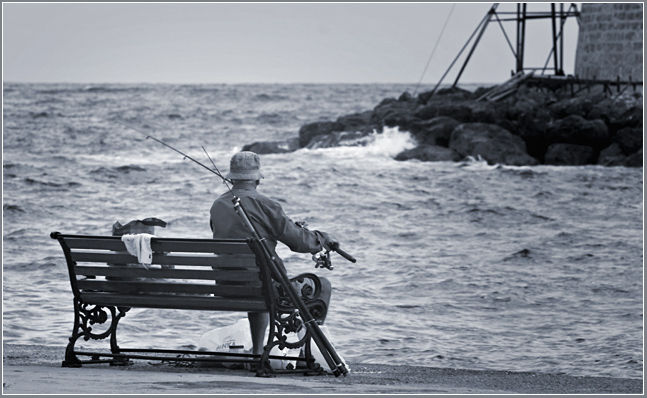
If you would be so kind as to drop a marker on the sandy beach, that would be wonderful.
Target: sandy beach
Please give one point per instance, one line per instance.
(33, 369)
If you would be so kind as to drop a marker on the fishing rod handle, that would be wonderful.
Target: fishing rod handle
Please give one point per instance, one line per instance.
(346, 255)
(335, 247)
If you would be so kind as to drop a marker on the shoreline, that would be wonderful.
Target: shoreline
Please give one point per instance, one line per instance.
(36, 369)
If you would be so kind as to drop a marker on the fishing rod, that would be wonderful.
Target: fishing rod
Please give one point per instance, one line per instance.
(325, 347)
(216, 171)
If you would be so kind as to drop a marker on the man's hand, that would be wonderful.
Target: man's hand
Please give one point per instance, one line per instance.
(330, 241)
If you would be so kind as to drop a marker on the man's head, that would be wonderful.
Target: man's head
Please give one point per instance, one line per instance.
(245, 166)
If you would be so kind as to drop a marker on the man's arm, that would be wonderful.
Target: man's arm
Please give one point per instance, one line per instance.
(298, 239)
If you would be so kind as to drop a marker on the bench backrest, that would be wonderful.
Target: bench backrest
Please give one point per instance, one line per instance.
(185, 273)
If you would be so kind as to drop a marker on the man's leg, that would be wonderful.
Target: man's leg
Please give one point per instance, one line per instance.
(258, 322)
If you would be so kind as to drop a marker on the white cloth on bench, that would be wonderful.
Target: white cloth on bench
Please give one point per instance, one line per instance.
(139, 245)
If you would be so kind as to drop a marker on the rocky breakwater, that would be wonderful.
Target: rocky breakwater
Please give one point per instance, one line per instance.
(525, 126)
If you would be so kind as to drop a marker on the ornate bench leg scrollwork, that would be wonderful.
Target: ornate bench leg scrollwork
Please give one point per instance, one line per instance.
(286, 320)
(86, 316)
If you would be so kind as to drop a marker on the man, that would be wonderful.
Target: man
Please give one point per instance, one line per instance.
(270, 222)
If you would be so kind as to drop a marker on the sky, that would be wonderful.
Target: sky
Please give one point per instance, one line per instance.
(188, 43)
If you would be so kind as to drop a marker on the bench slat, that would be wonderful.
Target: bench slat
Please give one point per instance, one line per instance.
(174, 302)
(162, 244)
(139, 272)
(206, 246)
(129, 287)
(165, 259)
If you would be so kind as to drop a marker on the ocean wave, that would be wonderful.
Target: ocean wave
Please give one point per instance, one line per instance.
(49, 184)
(389, 143)
(12, 209)
(269, 97)
(477, 164)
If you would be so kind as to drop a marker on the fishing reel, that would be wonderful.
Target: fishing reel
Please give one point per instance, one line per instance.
(322, 260)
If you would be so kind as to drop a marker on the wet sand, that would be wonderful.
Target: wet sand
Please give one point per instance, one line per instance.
(33, 369)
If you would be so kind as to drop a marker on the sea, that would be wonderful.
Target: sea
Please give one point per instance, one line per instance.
(461, 265)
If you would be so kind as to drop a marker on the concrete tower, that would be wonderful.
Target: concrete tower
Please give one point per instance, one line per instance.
(610, 42)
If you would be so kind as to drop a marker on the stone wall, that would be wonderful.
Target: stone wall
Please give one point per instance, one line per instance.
(610, 42)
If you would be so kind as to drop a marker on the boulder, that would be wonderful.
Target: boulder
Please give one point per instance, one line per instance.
(580, 105)
(357, 122)
(569, 155)
(491, 142)
(449, 93)
(487, 112)
(611, 155)
(534, 122)
(265, 147)
(532, 126)
(459, 110)
(623, 111)
(574, 129)
(429, 153)
(436, 131)
(308, 131)
(633, 117)
(635, 160)
(394, 113)
(335, 139)
(630, 139)
(465, 111)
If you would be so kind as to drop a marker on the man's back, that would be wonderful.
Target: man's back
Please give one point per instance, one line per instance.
(268, 219)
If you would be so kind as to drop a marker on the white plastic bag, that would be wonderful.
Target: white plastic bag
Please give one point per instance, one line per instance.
(235, 339)
(239, 336)
(219, 340)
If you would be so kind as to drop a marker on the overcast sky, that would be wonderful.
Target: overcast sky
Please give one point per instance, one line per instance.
(262, 42)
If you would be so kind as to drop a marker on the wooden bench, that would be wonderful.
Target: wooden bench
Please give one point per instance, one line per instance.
(186, 274)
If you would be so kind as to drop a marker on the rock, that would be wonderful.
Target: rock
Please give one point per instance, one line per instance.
(615, 110)
(611, 155)
(449, 93)
(265, 147)
(395, 113)
(486, 112)
(630, 139)
(491, 142)
(429, 153)
(436, 131)
(465, 111)
(574, 129)
(532, 126)
(635, 160)
(569, 155)
(580, 105)
(308, 131)
(460, 110)
(356, 122)
(337, 139)
(406, 96)
(632, 117)
(534, 122)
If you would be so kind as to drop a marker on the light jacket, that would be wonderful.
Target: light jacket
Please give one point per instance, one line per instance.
(268, 218)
